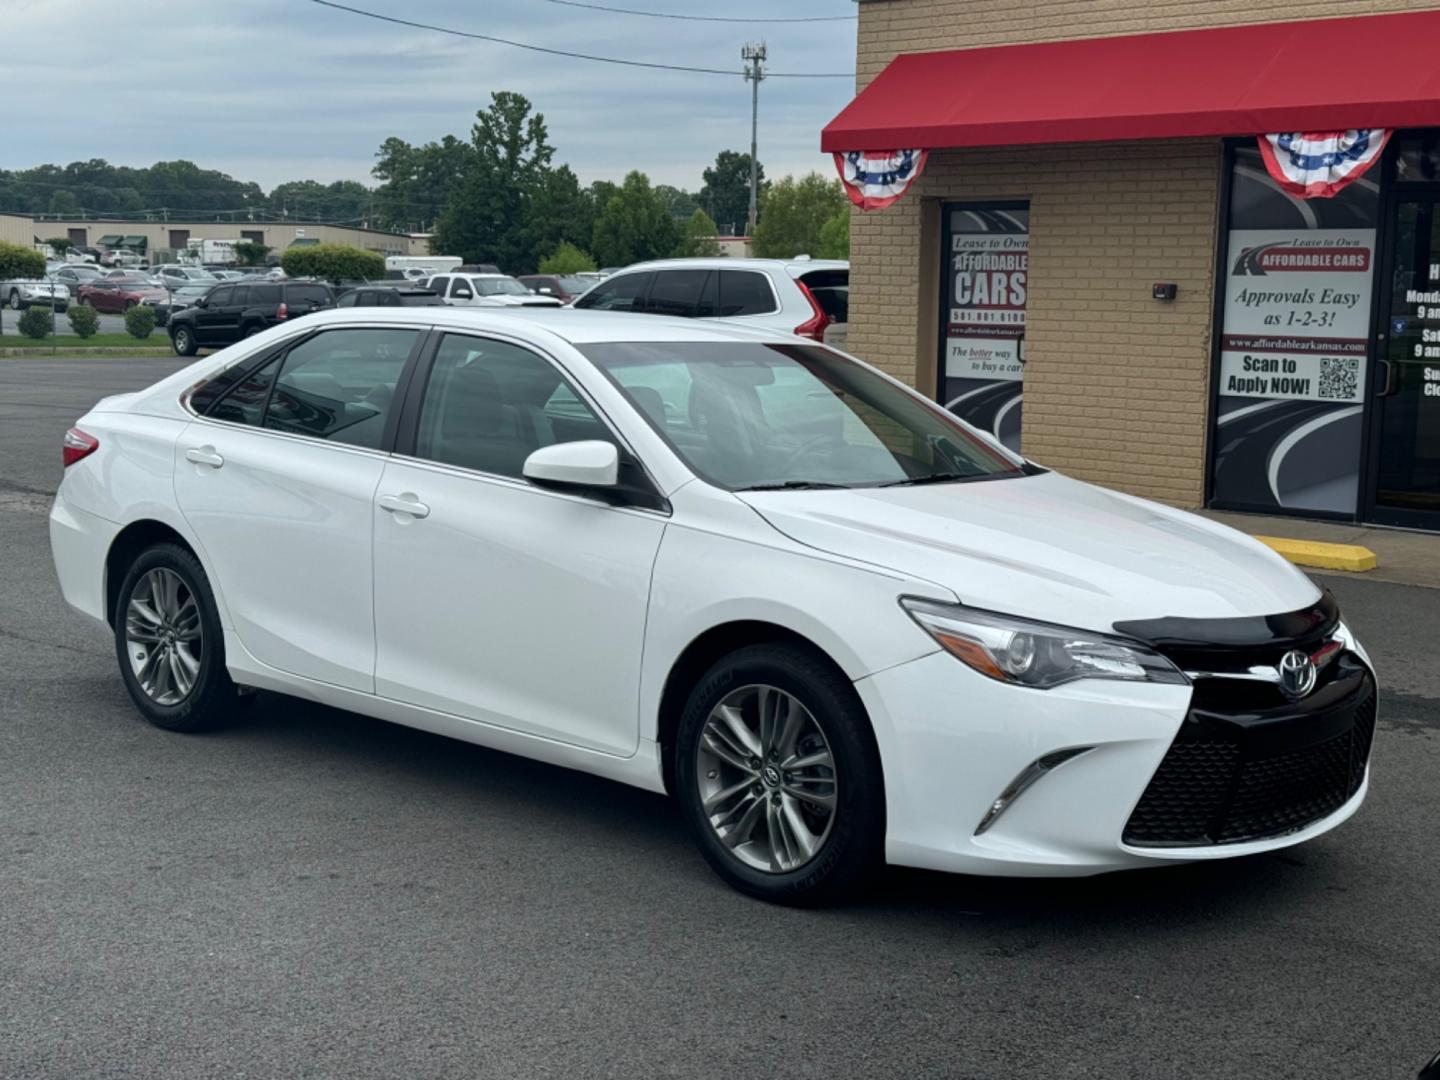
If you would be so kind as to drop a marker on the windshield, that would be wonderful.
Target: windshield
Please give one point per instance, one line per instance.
(499, 286)
(747, 416)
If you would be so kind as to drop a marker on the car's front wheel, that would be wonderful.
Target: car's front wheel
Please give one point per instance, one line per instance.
(183, 341)
(16, 303)
(779, 778)
(169, 643)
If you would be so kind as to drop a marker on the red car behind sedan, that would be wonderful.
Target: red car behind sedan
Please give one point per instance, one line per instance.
(120, 294)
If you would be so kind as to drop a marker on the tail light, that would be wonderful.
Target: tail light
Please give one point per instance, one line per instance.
(77, 445)
(813, 327)
(282, 312)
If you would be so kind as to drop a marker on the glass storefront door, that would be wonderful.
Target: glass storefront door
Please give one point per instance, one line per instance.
(1405, 409)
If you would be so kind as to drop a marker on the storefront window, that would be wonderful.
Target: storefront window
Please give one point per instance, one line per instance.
(1295, 342)
(982, 355)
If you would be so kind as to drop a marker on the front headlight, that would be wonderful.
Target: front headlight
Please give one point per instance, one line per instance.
(1035, 654)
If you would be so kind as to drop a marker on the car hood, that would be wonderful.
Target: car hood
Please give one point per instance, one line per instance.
(515, 300)
(1047, 547)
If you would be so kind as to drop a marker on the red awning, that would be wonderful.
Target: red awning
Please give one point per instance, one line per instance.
(1321, 75)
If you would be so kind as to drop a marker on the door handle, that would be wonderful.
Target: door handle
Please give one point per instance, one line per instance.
(204, 455)
(1387, 377)
(404, 504)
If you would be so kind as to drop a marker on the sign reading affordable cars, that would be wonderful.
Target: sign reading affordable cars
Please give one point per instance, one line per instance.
(1297, 314)
(985, 334)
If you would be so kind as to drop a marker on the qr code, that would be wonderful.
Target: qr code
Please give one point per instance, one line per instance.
(1339, 377)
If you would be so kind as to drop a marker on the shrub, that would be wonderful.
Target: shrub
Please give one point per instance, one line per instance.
(333, 262)
(251, 253)
(37, 322)
(140, 321)
(83, 320)
(697, 238)
(20, 262)
(566, 259)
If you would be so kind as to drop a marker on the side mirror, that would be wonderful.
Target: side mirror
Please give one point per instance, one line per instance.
(588, 464)
(201, 301)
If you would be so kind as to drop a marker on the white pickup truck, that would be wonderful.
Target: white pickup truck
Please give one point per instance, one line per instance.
(20, 293)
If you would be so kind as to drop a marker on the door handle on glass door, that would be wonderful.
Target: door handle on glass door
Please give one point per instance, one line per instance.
(1387, 372)
(204, 455)
(404, 504)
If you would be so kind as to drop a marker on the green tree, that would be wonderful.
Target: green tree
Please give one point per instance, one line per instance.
(634, 225)
(37, 322)
(835, 237)
(560, 212)
(566, 259)
(487, 218)
(20, 262)
(417, 181)
(251, 253)
(697, 238)
(333, 262)
(725, 195)
(140, 321)
(83, 320)
(59, 244)
(795, 212)
(309, 200)
(63, 202)
(679, 201)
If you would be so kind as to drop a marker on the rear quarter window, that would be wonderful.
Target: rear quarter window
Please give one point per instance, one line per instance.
(745, 292)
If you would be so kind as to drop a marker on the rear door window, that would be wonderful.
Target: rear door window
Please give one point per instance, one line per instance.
(340, 385)
(831, 290)
(676, 292)
(745, 292)
(261, 295)
(308, 294)
(623, 292)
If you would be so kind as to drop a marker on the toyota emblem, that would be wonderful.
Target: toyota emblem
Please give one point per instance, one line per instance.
(1297, 674)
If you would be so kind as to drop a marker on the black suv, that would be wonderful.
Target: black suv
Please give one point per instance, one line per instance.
(387, 296)
(229, 312)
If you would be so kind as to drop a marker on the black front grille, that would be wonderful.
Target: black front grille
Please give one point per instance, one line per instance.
(1231, 777)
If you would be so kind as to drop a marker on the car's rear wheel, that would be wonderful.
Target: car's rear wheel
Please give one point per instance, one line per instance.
(779, 778)
(251, 329)
(169, 644)
(182, 340)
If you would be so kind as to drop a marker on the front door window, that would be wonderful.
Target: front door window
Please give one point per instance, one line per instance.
(1407, 402)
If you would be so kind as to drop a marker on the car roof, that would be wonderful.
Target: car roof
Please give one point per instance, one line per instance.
(794, 267)
(577, 327)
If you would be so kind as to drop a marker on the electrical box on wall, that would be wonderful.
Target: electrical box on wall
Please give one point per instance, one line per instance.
(1163, 290)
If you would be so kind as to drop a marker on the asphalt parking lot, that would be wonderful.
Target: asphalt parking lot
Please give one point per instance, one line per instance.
(318, 894)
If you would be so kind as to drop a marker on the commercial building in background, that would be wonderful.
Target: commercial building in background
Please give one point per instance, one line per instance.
(161, 240)
(1096, 263)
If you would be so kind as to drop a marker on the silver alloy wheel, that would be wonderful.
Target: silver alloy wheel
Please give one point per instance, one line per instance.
(163, 636)
(182, 339)
(767, 778)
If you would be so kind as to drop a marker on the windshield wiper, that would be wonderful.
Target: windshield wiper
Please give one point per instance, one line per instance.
(793, 485)
(931, 478)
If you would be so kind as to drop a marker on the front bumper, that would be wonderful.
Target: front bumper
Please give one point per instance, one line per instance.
(952, 741)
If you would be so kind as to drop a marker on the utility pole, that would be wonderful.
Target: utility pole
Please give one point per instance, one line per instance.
(754, 55)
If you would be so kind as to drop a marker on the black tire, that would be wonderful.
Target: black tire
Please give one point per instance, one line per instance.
(213, 699)
(251, 329)
(16, 304)
(853, 850)
(182, 340)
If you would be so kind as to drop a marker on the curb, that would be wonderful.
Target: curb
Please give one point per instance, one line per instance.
(66, 351)
(1322, 556)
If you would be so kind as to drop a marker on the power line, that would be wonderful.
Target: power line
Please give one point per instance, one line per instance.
(732, 72)
(704, 18)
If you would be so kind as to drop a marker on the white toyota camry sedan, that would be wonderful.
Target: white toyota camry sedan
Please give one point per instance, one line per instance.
(837, 625)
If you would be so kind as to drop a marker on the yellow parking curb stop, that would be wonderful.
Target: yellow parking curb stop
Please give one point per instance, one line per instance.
(1321, 555)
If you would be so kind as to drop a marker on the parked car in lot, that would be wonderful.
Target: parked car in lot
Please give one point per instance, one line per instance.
(173, 275)
(21, 293)
(120, 294)
(808, 297)
(178, 300)
(486, 290)
(563, 287)
(835, 623)
(386, 295)
(73, 275)
(230, 312)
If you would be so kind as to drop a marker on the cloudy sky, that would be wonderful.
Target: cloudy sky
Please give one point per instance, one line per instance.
(275, 90)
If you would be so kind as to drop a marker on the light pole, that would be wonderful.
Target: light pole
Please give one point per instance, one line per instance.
(754, 54)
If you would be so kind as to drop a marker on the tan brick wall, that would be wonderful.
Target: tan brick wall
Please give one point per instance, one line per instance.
(1116, 384)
